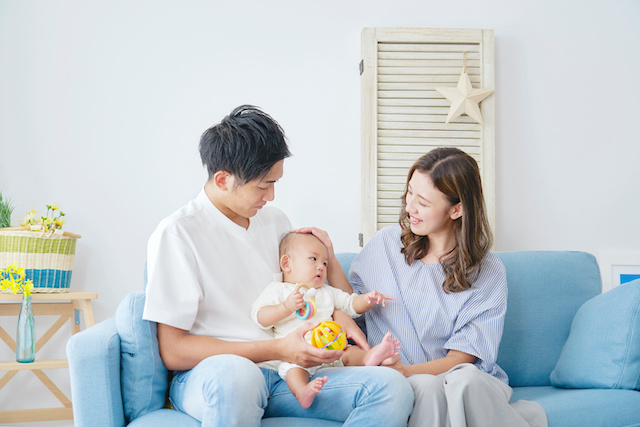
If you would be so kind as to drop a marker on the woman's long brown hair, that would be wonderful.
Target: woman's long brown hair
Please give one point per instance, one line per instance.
(455, 174)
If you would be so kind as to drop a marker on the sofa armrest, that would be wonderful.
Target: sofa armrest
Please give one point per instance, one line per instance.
(94, 368)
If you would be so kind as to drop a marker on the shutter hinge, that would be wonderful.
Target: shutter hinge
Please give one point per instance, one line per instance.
(361, 240)
(361, 67)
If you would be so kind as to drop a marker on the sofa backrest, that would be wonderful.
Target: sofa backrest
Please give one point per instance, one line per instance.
(546, 288)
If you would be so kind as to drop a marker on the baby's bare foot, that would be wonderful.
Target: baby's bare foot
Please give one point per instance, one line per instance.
(306, 395)
(387, 348)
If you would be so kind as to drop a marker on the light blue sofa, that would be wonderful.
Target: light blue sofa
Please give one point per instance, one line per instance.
(565, 345)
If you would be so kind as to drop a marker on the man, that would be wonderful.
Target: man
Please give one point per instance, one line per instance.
(209, 261)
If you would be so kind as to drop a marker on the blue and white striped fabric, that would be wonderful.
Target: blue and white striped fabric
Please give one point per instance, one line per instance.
(427, 321)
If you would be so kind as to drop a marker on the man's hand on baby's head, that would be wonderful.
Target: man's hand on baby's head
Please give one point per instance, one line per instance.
(321, 235)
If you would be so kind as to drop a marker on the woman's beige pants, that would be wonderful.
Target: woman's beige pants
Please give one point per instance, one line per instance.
(468, 397)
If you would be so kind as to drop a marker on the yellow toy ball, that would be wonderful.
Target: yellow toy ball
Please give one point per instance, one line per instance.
(329, 335)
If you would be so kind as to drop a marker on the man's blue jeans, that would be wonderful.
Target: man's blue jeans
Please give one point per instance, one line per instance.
(230, 390)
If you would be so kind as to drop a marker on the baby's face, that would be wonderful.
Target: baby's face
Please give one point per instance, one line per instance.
(309, 261)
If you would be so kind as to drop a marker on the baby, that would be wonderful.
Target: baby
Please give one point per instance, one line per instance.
(303, 259)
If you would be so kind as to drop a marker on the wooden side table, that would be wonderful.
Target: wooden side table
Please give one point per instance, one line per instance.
(67, 306)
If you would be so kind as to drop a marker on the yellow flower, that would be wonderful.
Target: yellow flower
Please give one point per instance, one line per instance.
(29, 219)
(12, 278)
(48, 222)
(28, 285)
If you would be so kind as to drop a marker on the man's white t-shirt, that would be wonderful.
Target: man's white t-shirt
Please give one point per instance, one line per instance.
(204, 270)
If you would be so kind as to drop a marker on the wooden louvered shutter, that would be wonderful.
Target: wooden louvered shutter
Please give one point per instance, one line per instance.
(403, 117)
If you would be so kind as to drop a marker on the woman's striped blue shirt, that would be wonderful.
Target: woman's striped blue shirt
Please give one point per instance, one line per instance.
(427, 321)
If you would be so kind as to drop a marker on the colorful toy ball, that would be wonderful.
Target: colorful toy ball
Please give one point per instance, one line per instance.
(329, 335)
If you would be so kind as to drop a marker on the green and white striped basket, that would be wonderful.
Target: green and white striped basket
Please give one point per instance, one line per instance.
(46, 257)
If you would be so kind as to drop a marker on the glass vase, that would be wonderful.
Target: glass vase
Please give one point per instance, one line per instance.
(26, 334)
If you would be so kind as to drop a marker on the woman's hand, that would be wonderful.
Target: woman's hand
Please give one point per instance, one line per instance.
(296, 350)
(394, 362)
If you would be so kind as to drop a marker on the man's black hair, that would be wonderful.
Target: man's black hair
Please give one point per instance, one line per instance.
(246, 143)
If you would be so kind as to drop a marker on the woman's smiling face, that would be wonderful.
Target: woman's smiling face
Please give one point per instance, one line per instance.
(430, 212)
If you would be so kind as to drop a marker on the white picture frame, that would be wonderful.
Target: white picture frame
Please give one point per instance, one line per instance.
(618, 268)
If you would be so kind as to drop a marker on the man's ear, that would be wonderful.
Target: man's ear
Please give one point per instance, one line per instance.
(456, 211)
(285, 262)
(223, 180)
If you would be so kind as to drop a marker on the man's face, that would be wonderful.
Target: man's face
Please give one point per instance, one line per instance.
(245, 200)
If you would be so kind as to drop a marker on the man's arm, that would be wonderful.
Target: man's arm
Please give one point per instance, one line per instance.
(180, 350)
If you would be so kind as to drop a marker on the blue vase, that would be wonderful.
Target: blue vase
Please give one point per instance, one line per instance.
(26, 334)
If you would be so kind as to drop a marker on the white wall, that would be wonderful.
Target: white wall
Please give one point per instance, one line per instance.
(102, 104)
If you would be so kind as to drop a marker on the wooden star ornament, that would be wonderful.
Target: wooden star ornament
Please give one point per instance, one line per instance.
(464, 98)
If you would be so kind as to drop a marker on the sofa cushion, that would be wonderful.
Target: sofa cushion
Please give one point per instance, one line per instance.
(603, 348)
(582, 407)
(165, 418)
(143, 375)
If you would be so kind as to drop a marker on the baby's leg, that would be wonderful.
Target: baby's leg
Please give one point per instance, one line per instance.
(355, 356)
(303, 389)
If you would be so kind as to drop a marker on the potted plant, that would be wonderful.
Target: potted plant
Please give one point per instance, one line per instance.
(6, 208)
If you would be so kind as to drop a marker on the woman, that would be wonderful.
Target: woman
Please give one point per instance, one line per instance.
(451, 297)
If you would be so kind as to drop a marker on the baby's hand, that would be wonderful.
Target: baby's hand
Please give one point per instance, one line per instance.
(294, 302)
(375, 297)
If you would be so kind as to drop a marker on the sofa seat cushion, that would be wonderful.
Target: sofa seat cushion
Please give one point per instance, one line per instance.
(582, 407)
(603, 348)
(297, 422)
(165, 418)
(143, 375)
(171, 418)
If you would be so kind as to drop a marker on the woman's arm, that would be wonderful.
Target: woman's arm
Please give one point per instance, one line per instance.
(180, 350)
(438, 366)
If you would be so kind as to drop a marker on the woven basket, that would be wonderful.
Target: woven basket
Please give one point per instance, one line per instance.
(46, 257)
